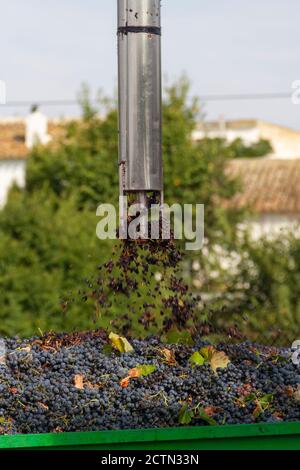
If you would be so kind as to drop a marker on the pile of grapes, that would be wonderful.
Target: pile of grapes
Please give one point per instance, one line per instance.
(98, 381)
(95, 381)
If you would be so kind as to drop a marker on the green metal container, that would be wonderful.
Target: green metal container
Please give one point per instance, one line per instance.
(282, 436)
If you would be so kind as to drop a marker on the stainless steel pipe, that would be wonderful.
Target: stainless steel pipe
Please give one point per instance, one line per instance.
(140, 96)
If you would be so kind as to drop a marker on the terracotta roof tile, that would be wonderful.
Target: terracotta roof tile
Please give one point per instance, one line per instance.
(12, 139)
(269, 186)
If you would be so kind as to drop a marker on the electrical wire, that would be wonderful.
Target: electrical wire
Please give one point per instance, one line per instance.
(204, 98)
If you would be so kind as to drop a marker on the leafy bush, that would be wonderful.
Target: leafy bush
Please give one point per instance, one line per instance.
(259, 149)
(259, 289)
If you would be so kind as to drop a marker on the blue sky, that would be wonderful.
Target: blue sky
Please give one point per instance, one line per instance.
(49, 47)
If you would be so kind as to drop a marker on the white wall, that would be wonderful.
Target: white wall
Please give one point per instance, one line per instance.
(11, 171)
(249, 136)
(285, 142)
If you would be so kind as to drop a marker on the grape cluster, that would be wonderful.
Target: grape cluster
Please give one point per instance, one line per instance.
(38, 391)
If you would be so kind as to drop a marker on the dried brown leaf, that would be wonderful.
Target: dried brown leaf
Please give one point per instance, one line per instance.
(297, 394)
(211, 411)
(125, 382)
(219, 360)
(78, 382)
(42, 405)
(135, 373)
(290, 391)
(169, 356)
(278, 415)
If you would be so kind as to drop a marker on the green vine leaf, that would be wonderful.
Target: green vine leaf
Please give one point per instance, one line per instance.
(263, 404)
(197, 359)
(186, 415)
(216, 359)
(120, 343)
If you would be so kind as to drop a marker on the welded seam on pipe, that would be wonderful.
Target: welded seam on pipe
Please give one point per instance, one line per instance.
(140, 29)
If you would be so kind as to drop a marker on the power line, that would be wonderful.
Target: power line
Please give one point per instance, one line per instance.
(207, 98)
(21, 104)
(246, 96)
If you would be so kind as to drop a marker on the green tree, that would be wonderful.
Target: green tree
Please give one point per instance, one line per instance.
(259, 290)
(47, 231)
(84, 163)
(48, 248)
(195, 172)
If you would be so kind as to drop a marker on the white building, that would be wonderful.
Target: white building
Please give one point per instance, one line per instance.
(271, 185)
(17, 137)
(271, 189)
(285, 142)
(12, 156)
